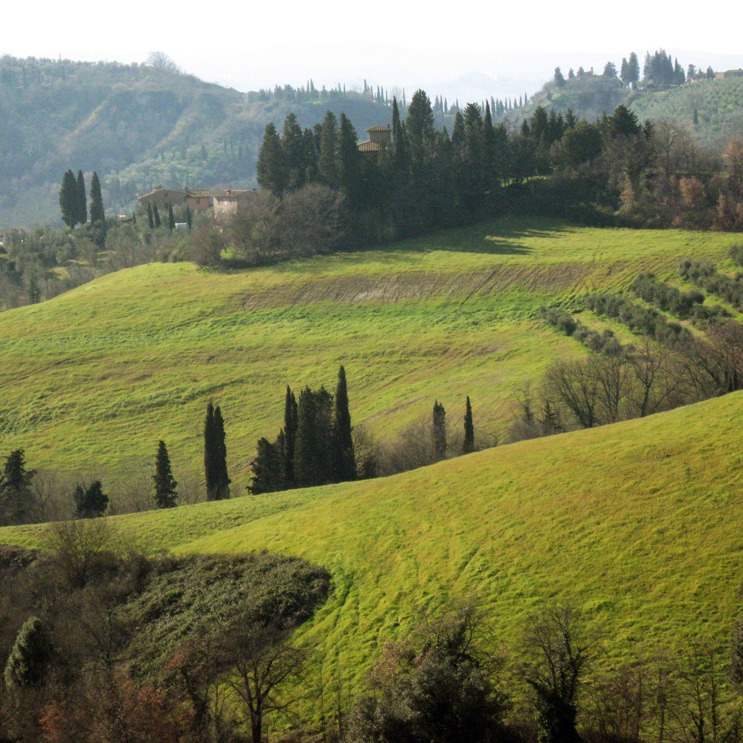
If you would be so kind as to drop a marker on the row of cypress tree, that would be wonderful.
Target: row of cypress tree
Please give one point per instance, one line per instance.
(73, 200)
(315, 446)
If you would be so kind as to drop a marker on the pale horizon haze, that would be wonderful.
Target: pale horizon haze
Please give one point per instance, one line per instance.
(464, 48)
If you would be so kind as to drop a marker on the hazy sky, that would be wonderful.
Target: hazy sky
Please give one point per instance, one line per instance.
(256, 44)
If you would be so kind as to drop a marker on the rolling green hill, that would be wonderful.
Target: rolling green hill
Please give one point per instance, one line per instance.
(137, 126)
(638, 524)
(94, 378)
(718, 104)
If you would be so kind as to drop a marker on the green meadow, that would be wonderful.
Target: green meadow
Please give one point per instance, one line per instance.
(637, 524)
(94, 378)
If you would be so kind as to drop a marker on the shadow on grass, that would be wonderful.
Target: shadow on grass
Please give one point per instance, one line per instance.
(498, 237)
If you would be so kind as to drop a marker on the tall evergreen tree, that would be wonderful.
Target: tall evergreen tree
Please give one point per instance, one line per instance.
(349, 162)
(82, 199)
(30, 657)
(345, 460)
(469, 430)
(290, 435)
(90, 501)
(97, 215)
(313, 453)
(215, 455)
(292, 144)
(271, 168)
(68, 199)
(419, 128)
(439, 431)
(150, 216)
(267, 468)
(328, 162)
(171, 218)
(166, 488)
(15, 489)
(633, 69)
(156, 216)
(223, 480)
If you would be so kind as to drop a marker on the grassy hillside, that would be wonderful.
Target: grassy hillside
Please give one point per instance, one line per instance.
(638, 524)
(718, 104)
(94, 378)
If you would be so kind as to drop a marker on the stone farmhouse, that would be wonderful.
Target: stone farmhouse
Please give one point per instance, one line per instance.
(223, 202)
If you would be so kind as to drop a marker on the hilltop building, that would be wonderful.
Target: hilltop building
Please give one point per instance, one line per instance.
(226, 202)
(380, 137)
(162, 198)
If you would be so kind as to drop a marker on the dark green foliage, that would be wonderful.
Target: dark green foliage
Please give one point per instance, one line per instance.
(166, 488)
(30, 658)
(328, 161)
(215, 455)
(90, 500)
(438, 431)
(171, 218)
(97, 214)
(705, 275)
(150, 216)
(200, 599)
(15, 489)
(68, 201)
(639, 319)
(268, 467)
(469, 429)
(685, 305)
(271, 169)
(156, 216)
(344, 460)
(81, 213)
(313, 454)
(440, 689)
(290, 435)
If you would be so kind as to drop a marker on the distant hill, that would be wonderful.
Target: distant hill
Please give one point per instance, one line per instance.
(718, 104)
(137, 126)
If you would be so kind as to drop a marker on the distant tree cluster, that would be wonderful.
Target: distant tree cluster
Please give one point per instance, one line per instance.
(315, 445)
(73, 200)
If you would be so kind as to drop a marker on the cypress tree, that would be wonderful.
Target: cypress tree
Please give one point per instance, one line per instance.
(210, 454)
(345, 460)
(156, 216)
(349, 158)
(439, 431)
(290, 435)
(29, 659)
(293, 149)
(313, 453)
(328, 163)
(97, 215)
(150, 216)
(469, 430)
(90, 502)
(15, 489)
(267, 468)
(82, 199)
(68, 199)
(220, 448)
(166, 493)
(271, 168)
(189, 218)
(171, 218)
(215, 455)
